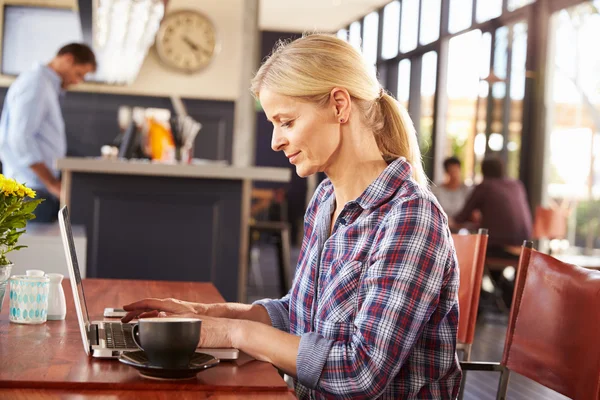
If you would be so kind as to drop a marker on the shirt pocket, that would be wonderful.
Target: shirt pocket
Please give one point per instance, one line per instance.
(338, 301)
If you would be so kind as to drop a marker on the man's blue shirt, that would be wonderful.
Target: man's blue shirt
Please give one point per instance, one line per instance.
(32, 129)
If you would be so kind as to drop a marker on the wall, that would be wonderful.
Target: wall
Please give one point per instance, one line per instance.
(219, 81)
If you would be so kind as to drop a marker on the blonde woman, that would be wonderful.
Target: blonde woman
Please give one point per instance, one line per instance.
(373, 311)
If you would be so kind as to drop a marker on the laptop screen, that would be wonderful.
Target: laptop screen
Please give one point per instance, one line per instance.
(75, 275)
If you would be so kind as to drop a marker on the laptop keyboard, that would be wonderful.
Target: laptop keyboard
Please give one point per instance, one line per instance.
(118, 336)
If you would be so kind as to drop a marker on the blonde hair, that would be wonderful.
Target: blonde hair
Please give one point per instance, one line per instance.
(310, 67)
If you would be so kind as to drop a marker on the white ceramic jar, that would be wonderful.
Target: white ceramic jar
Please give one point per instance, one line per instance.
(57, 306)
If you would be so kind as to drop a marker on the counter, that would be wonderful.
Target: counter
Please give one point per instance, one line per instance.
(165, 222)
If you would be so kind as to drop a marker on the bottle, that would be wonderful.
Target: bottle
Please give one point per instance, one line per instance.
(57, 306)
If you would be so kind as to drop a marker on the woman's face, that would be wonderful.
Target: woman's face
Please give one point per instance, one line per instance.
(309, 135)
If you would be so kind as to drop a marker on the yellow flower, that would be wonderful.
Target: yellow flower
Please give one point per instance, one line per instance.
(9, 186)
(30, 192)
(20, 190)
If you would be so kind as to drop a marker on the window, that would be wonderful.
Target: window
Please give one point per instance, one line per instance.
(409, 26)
(403, 82)
(430, 20)
(461, 12)
(428, 83)
(517, 93)
(370, 33)
(391, 30)
(355, 39)
(465, 116)
(343, 34)
(514, 4)
(488, 9)
(573, 158)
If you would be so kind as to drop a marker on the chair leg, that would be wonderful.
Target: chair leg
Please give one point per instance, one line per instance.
(254, 263)
(284, 254)
(463, 382)
(467, 352)
(502, 306)
(503, 384)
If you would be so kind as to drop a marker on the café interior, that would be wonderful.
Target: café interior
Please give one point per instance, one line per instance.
(170, 178)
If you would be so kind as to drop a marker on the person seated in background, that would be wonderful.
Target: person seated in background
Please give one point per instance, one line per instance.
(504, 209)
(373, 310)
(505, 212)
(453, 193)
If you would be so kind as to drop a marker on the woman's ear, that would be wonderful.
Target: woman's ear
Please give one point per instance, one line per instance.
(341, 104)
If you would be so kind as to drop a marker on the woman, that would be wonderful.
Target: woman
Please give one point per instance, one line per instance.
(373, 310)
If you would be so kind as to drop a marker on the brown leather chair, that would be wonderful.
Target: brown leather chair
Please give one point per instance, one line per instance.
(470, 253)
(552, 335)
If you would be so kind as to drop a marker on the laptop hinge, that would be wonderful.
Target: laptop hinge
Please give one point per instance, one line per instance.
(93, 335)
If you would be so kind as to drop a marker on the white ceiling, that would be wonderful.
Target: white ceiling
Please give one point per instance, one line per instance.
(313, 15)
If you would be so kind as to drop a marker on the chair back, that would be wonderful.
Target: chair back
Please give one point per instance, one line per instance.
(554, 326)
(549, 223)
(470, 253)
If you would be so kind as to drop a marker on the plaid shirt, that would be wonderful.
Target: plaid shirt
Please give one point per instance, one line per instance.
(375, 303)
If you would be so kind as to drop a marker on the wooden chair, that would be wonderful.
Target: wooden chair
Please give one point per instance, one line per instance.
(552, 335)
(269, 216)
(470, 253)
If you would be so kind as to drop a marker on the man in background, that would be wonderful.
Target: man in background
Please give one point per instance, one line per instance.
(32, 129)
(505, 212)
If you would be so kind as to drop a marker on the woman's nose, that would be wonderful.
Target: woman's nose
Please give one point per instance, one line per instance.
(278, 141)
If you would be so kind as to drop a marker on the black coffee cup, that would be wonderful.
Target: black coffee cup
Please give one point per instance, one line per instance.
(168, 342)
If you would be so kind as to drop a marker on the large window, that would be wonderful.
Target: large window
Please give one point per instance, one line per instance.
(391, 30)
(465, 109)
(370, 32)
(460, 69)
(409, 27)
(573, 175)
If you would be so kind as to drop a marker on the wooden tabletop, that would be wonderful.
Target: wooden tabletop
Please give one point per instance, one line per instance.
(58, 394)
(51, 355)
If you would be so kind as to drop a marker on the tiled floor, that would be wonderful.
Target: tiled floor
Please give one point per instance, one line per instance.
(488, 346)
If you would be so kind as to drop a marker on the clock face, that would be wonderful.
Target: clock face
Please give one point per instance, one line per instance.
(186, 40)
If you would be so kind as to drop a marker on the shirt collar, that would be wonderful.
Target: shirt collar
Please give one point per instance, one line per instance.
(386, 184)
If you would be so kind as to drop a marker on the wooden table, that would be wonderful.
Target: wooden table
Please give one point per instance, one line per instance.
(48, 360)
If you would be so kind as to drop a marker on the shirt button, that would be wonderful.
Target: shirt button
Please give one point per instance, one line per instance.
(342, 221)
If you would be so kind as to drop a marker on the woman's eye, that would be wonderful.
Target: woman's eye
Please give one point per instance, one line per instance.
(286, 124)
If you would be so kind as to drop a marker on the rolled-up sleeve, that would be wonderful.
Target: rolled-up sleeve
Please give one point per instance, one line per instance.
(400, 290)
(279, 312)
(26, 114)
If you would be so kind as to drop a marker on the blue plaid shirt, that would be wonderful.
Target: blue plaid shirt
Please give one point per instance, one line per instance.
(375, 303)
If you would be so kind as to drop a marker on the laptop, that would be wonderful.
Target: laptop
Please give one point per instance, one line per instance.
(105, 339)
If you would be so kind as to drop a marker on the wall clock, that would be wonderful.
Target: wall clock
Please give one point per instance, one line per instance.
(186, 41)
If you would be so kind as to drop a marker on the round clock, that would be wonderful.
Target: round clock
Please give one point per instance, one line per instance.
(186, 40)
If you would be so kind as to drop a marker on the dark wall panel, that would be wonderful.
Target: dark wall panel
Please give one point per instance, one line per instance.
(91, 122)
(162, 228)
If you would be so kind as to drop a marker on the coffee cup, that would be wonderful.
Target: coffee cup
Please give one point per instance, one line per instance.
(168, 342)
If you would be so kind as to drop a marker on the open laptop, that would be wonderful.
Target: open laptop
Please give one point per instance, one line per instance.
(105, 339)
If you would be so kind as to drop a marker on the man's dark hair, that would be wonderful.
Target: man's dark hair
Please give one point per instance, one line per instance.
(451, 161)
(492, 167)
(82, 53)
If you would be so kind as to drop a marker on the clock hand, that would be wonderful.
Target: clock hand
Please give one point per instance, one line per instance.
(189, 42)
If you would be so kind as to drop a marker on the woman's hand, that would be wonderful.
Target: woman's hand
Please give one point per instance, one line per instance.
(148, 308)
(218, 332)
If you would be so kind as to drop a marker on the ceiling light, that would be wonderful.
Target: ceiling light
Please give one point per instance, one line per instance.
(123, 32)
